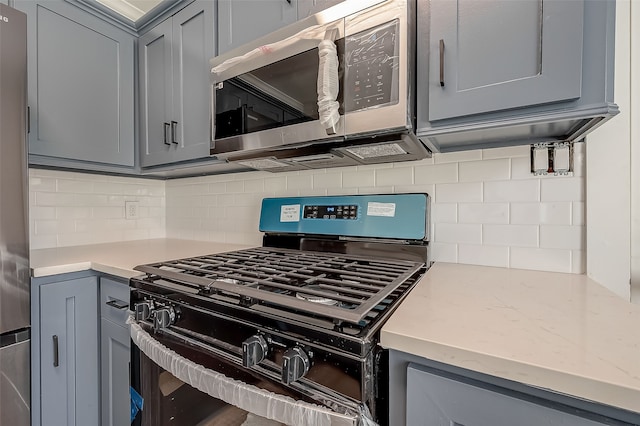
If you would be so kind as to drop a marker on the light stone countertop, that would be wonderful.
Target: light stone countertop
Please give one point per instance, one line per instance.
(120, 258)
(562, 332)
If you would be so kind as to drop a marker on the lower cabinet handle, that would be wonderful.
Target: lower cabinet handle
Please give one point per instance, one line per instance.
(441, 63)
(118, 304)
(166, 129)
(56, 357)
(174, 125)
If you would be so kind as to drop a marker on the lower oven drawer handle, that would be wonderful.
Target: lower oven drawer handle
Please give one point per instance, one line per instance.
(244, 396)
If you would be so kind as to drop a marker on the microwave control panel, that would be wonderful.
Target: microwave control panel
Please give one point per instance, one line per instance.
(371, 59)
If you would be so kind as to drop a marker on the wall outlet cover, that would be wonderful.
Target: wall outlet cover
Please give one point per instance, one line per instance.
(131, 209)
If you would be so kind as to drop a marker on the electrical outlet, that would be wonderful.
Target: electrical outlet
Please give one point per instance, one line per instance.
(131, 209)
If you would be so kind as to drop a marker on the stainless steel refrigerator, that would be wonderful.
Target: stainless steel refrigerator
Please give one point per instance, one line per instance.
(14, 237)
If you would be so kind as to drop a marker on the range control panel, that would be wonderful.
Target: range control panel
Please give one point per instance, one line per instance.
(331, 212)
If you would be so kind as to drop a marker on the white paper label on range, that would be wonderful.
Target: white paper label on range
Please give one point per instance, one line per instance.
(290, 213)
(381, 209)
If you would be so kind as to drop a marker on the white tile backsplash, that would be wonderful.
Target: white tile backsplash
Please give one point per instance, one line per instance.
(486, 207)
(69, 208)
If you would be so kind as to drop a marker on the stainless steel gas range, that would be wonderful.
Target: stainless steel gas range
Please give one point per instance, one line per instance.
(288, 331)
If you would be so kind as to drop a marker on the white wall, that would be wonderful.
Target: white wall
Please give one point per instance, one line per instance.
(67, 209)
(635, 152)
(487, 207)
(609, 164)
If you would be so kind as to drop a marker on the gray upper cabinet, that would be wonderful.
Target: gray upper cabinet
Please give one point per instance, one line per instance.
(174, 86)
(241, 21)
(80, 79)
(500, 72)
(311, 7)
(499, 54)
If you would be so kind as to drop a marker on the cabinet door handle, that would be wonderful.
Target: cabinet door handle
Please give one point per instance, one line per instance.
(28, 119)
(441, 63)
(289, 1)
(118, 304)
(174, 126)
(166, 129)
(56, 356)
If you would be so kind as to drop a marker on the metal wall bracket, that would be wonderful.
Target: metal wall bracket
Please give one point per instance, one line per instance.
(552, 158)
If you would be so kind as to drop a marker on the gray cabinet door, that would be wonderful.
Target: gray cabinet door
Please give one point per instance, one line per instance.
(69, 353)
(436, 400)
(193, 47)
(174, 86)
(500, 54)
(115, 344)
(240, 21)
(80, 85)
(154, 56)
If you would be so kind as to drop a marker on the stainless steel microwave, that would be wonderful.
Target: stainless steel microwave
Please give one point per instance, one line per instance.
(334, 89)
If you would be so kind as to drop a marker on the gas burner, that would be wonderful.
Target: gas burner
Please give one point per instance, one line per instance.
(321, 300)
(229, 281)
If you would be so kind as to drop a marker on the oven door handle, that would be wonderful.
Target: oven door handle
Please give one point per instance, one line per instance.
(244, 396)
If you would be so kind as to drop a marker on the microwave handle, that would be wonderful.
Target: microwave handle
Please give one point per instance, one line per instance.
(328, 86)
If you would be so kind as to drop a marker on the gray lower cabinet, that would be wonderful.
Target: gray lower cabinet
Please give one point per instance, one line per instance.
(423, 392)
(80, 79)
(66, 330)
(174, 86)
(242, 21)
(499, 72)
(437, 400)
(115, 355)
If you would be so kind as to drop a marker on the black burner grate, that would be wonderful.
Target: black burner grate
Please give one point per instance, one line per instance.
(338, 286)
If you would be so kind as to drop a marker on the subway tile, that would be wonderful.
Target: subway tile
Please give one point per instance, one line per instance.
(483, 255)
(375, 190)
(254, 185)
(510, 235)
(562, 237)
(483, 213)
(217, 188)
(443, 252)
(444, 213)
(437, 173)
(51, 227)
(562, 189)
(359, 179)
(511, 191)
(521, 169)
(579, 159)
(373, 166)
(458, 233)
(42, 184)
(455, 157)
(275, 184)
(327, 180)
(577, 213)
(108, 188)
(44, 213)
(300, 182)
(74, 186)
(90, 200)
(506, 152)
(54, 199)
(234, 187)
(541, 213)
(540, 259)
(108, 212)
(63, 213)
(42, 241)
(340, 191)
(394, 176)
(415, 189)
(459, 192)
(480, 171)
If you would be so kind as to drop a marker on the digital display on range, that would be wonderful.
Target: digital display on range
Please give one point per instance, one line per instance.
(331, 212)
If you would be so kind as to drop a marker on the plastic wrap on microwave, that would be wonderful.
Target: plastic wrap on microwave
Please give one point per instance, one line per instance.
(328, 84)
(244, 396)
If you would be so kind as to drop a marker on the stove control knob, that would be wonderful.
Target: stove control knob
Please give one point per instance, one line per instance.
(163, 318)
(295, 364)
(142, 311)
(254, 350)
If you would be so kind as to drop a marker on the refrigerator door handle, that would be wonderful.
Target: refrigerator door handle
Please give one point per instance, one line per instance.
(56, 357)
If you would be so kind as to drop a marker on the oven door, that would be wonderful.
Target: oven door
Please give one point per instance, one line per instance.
(183, 384)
